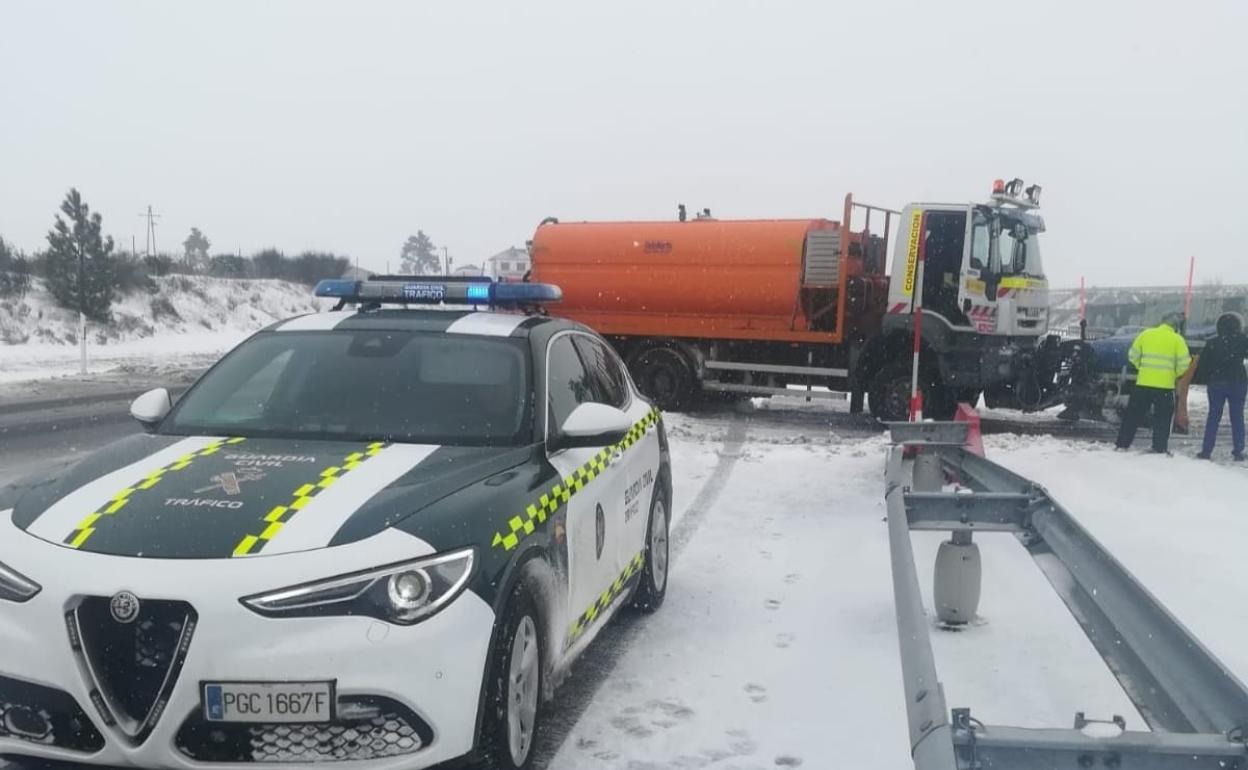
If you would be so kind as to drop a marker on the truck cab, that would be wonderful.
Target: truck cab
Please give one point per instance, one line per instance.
(976, 272)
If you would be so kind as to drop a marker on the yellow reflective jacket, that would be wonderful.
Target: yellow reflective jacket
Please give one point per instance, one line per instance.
(1161, 356)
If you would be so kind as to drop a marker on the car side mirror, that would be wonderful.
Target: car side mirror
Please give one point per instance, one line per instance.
(592, 425)
(151, 407)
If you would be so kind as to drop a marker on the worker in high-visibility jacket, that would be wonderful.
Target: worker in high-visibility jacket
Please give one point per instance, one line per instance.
(1160, 357)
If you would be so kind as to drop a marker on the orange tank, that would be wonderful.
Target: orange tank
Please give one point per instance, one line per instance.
(706, 278)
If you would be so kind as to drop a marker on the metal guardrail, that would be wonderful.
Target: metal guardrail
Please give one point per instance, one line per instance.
(1196, 708)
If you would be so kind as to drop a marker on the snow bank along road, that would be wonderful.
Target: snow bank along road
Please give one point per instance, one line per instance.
(777, 646)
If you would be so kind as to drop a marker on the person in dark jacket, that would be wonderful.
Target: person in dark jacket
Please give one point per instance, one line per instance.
(1221, 368)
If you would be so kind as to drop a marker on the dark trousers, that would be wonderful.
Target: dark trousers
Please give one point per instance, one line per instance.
(1142, 399)
(1220, 395)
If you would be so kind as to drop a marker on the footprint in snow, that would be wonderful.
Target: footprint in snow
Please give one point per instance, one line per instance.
(784, 640)
(792, 578)
(785, 760)
(772, 604)
(641, 722)
(757, 692)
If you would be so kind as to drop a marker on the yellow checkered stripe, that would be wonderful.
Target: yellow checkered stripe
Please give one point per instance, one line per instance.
(281, 515)
(88, 525)
(524, 524)
(606, 599)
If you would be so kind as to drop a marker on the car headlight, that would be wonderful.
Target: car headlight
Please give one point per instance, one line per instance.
(16, 587)
(403, 593)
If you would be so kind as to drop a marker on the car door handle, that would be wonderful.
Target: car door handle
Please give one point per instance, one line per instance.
(616, 456)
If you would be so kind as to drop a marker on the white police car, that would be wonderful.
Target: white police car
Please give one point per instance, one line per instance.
(369, 536)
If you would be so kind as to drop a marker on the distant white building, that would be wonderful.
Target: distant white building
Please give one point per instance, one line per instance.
(468, 270)
(509, 264)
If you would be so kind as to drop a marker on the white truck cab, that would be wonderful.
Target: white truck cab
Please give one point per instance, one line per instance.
(977, 272)
(982, 266)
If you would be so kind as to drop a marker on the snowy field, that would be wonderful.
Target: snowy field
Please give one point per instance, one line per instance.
(777, 645)
(188, 321)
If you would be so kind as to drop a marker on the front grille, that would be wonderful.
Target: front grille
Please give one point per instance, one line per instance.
(59, 720)
(385, 728)
(134, 664)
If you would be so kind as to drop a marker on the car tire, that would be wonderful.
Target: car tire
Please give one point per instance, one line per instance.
(513, 717)
(655, 570)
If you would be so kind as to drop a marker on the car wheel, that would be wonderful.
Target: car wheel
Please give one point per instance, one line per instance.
(513, 717)
(652, 587)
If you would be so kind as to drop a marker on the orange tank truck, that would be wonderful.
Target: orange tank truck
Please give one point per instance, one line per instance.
(764, 306)
(746, 307)
(707, 278)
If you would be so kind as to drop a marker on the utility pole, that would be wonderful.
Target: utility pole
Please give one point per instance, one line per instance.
(446, 255)
(151, 230)
(82, 303)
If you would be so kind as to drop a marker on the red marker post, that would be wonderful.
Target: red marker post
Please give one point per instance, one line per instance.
(1187, 300)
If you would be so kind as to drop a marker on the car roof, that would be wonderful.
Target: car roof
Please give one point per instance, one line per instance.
(429, 321)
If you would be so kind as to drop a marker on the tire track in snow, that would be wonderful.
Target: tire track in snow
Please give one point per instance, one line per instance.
(599, 660)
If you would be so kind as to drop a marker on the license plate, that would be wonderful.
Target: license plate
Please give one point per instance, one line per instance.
(268, 701)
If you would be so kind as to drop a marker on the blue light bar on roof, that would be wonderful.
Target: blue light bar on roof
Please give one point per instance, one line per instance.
(413, 290)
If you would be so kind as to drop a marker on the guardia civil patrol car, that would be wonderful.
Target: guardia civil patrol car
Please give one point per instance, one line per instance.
(374, 535)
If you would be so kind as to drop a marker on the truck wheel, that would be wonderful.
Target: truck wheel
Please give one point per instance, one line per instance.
(889, 395)
(939, 402)
(665, 377)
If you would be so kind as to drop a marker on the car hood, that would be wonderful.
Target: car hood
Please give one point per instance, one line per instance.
(220, 497)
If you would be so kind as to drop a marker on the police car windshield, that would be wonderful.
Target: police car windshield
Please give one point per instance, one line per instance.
(364, 385)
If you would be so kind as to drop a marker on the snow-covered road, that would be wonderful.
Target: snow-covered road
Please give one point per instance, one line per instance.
(777, 646)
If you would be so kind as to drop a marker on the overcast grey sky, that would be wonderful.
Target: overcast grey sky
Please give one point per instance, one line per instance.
(348, 125)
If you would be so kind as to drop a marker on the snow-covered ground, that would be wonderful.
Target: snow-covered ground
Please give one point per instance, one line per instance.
(188, 321)
(777, 645)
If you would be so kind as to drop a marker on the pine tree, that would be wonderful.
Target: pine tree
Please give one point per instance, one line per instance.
(419, 255)
(195, 249)
(86, 285)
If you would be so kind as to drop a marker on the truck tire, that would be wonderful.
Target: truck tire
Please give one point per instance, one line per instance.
(889, 394)
(665, 376)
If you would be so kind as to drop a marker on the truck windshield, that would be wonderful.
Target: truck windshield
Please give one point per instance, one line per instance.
(364, 385)
(1018, 247)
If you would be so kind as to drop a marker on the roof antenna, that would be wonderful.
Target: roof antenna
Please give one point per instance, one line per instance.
(680, 211)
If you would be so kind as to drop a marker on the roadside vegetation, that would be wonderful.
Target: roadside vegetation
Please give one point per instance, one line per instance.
(82, 268)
